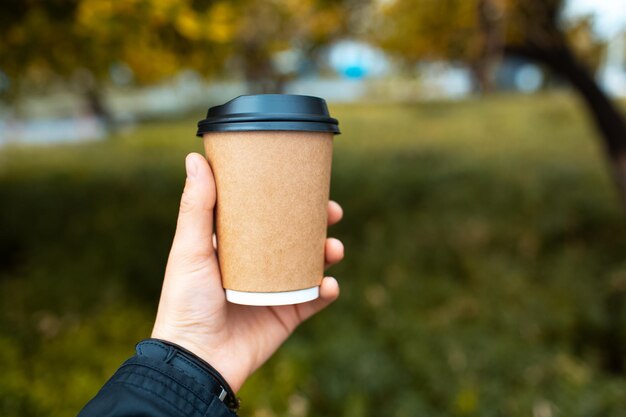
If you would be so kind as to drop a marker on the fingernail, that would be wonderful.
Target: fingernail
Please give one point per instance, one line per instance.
(191, 167)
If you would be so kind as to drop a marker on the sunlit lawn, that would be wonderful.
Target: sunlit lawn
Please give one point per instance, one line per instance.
(485, 271)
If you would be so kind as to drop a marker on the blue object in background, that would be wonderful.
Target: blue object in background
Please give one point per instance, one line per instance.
(354, 72)
(357, 60)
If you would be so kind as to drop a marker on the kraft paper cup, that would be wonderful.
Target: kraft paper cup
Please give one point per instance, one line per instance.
(271, 157)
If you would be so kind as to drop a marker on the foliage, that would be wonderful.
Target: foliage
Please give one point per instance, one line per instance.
(157, 38)
(299, 27)
(459, 30)
(418, 30)
(483, 240)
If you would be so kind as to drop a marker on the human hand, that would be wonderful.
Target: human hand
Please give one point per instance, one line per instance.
(193, 311)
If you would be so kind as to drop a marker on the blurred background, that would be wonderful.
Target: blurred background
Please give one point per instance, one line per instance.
(482, 168)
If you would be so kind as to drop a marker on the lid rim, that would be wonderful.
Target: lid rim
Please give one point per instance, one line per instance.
(266, 112)
(268, 126)
(273, 117)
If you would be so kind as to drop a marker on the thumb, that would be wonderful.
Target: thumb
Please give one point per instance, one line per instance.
(193, 241)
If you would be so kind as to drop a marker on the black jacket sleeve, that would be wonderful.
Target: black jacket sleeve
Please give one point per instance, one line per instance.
(163, 379)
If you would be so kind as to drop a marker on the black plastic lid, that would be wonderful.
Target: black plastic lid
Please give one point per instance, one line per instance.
(270, 112)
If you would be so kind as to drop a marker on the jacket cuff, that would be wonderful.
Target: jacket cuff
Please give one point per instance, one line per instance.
(186, 367)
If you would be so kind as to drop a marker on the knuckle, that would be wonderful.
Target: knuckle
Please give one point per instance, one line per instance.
(193, 261)
(187, 202)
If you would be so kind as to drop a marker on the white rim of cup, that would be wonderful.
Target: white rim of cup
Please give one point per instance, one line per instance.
(272, 298)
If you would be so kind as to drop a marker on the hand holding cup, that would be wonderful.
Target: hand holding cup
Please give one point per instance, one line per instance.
(193, 311)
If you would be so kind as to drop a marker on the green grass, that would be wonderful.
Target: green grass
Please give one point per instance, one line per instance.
(485, 272)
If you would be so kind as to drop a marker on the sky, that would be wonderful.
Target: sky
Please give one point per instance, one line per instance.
(609, 15)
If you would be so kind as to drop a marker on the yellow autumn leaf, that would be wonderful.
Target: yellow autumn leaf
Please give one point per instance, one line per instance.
(188, 25)
(220, 23)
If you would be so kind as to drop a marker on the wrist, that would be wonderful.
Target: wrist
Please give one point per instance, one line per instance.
(233, 369)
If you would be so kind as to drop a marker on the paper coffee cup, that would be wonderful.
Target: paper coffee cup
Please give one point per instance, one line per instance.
(271, 157)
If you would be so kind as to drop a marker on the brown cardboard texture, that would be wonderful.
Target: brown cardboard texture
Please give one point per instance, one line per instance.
(271, 216)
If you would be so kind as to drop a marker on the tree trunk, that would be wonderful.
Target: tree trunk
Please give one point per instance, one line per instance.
(259, 72)
(98, 107)
(606, 115)
(490, 24)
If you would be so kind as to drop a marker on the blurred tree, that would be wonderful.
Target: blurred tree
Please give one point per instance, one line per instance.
(269, 38)
(48, 42)
(534, 31)
(479, 32)
(80, 40)
(439, 30)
